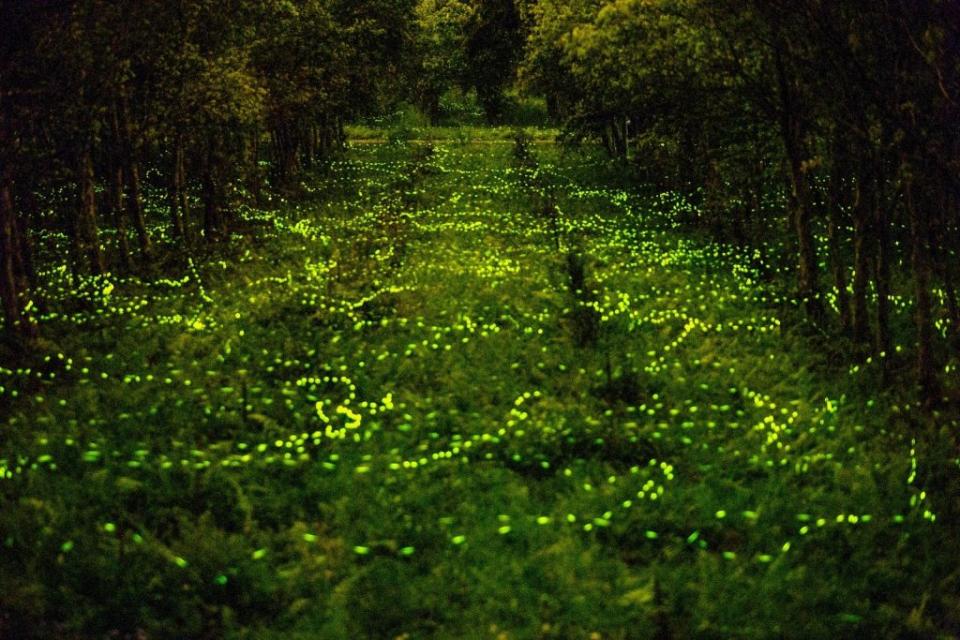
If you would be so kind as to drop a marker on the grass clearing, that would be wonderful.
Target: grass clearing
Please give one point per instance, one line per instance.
(385, 412)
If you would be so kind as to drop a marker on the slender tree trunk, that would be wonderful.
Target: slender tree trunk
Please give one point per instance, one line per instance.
(115, 193)
(135, 206)
(799, 196)
(835, 201)
(213, 225)
(131, 174)
(175, 186)
(862, 257)
(86, 232)
(256, 187)
(119, 215)
(18, 326)
(183, 193)
(310, 154)
(926, 376)
(25, 266)
(945, 259)
(807, 276)
(881, 279)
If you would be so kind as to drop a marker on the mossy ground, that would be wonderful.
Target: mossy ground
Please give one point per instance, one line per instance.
(384, 412)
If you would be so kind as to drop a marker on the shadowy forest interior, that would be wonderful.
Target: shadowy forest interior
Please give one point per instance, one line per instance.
(506, 319)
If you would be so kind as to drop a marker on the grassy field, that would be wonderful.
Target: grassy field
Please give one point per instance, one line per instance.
(417, 404)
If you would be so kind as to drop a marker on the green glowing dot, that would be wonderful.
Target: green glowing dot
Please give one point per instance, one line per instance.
(693, 537)
(180, 562)
(220, 579)
(309, 537)
(259, 554)
(458, 539)
(504, 530)
(721, 514)
(407, 551)
(729, 555)
(109, 527)
(543, 520)
(651, 535)
(361, 550)
(67, 546)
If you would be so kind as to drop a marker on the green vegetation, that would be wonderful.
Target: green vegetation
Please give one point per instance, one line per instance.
(380, 414)
(501, 319)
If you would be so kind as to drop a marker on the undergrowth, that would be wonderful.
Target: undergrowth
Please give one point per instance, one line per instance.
(441, 398)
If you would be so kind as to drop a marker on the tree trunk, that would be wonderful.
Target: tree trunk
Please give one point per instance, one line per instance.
(174, 189)
(862, 257)
(835, 202)
(213, 226)
(25, 267)
(86, 236)
(881, 278)
(791, 130)
(115, 190)
(944, 258)
(926, 376)
(118, 214)
(18, 326)
(131, 174)
(257, 186)
(183, 192)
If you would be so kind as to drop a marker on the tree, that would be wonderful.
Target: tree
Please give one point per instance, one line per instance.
(494, 45)
(441, 50)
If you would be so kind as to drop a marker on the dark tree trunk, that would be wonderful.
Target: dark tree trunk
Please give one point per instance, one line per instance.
(835, 201)
(256, 180)
(118, 215)
(131, 174)
(17, 324)
(945, 258)
(431, 105)
(310, 150)
(25, 265)
(686, 172)
(115, 190)
(881, 278)
(175, 190)
(135, 206)
(184, 193)
(926, 376)
(553, 107)
(85, 231)
(862, 257)
(791, 130)
(213, 223)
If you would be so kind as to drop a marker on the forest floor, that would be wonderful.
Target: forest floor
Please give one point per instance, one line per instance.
(412, 406)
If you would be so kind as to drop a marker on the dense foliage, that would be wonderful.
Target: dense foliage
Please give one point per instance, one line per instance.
(848, 109)
(420, 403)
(305, 335)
